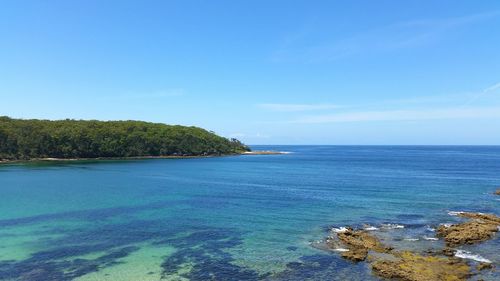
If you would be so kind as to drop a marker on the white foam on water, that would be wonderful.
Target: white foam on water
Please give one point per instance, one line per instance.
(430, 238)
(370, 228)
(468, 255)
(446, 224)
(411, 239)
(393, 226)
(340, 229)
(431, 229)
(341, 250)
(455, 213)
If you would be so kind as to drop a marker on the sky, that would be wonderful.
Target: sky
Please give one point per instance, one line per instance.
(265, 72)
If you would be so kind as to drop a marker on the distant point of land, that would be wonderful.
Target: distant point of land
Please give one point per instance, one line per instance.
(264, 152)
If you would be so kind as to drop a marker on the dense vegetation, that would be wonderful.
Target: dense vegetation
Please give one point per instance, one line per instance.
(27, 139)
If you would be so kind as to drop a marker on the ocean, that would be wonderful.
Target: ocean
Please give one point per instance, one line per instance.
(249, 217)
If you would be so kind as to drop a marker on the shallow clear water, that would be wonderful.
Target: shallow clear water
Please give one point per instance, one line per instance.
(233, 218)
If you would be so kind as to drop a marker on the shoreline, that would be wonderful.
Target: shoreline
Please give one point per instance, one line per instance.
(53, 159)
(50, 159)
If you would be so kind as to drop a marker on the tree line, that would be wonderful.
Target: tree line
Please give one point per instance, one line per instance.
(22, 139)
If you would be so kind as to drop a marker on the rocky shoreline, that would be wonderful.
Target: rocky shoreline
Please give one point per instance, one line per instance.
(448, 263)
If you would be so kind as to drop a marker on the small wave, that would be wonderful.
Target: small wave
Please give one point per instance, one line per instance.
(340, 229)
(455, 213)
(431, 229)
(468, 255)
(411, 239)
(370, 228)
(393, 226)
(430, 238)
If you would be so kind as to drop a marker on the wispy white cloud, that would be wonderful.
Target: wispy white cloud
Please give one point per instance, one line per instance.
(487, 91)
(463, 99)
(446, 106)
(288, 107)
(407, 34)
(457, 99)
(404, 115)
(453, 21)
(492, 88)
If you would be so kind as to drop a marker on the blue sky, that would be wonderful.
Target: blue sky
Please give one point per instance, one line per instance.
(266, 72)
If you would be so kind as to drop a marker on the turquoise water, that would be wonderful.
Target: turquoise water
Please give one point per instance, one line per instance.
(233, 218)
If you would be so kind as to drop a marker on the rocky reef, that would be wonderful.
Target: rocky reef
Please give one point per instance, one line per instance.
(386, 262)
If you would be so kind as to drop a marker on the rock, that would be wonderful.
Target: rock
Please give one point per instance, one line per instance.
(414, 267)
(361, 239)
(358, 242)
(497, 192)
(484, 265)
(467, 233)
(355, 254)
(482, 227)
(480, 216)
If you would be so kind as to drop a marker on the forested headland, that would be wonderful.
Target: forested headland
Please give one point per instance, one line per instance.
(22, 139)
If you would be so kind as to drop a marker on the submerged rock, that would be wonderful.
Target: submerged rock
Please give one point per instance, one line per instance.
(481, 227)
(484, 265)
(414, 267)
(497, 192)
(449, 252)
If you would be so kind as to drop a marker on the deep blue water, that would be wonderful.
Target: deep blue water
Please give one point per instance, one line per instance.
(232, 218)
